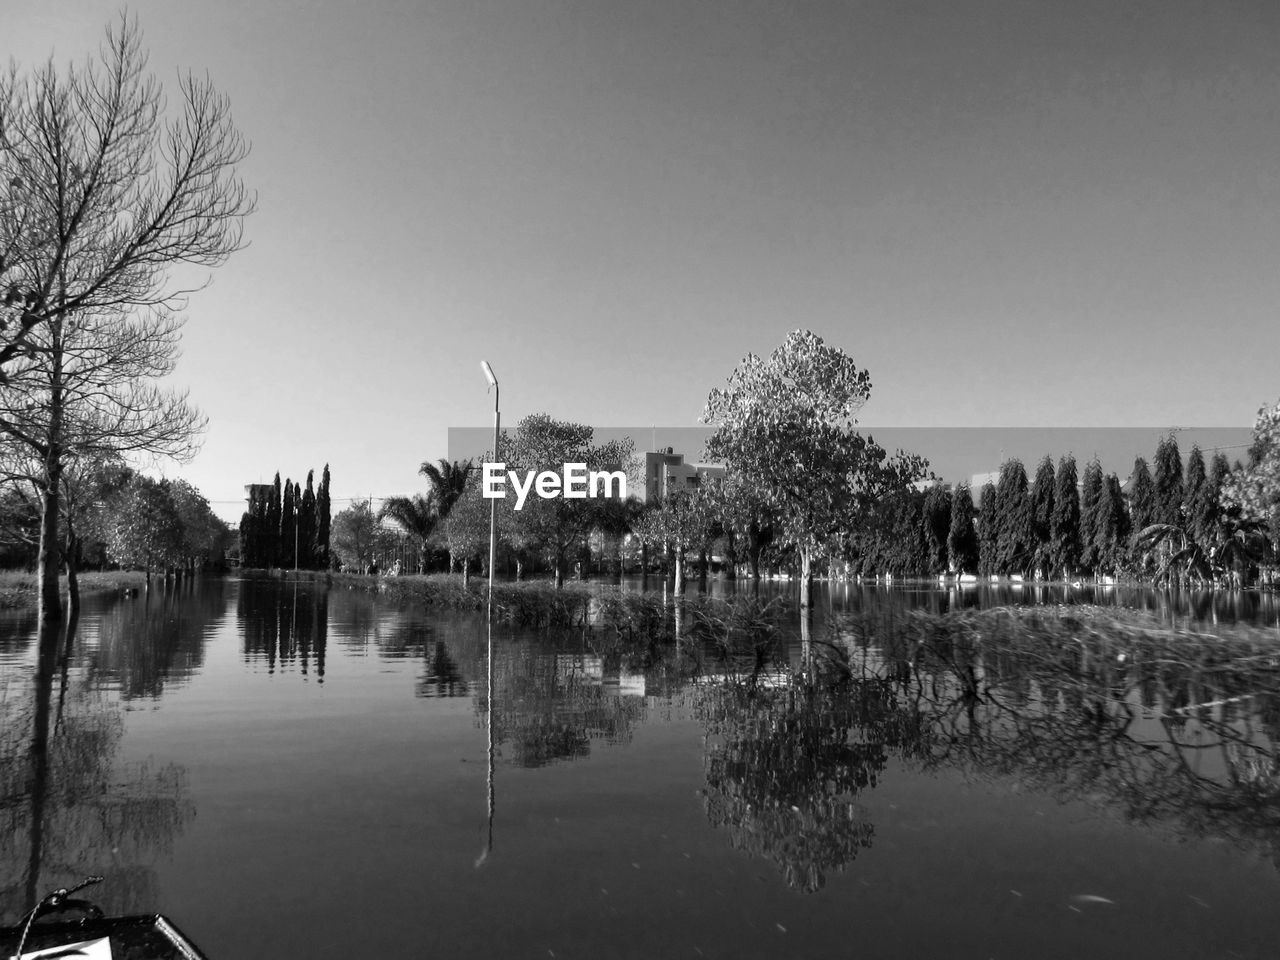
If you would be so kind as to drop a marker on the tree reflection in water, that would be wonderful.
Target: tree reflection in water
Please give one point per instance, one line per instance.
(1172, 726)
(784, 766)
(553, 704)
(157, 637)
(285, 626)
(442, 678)
(66, 808)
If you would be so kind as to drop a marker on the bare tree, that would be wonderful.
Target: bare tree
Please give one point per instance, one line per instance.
(105, 192)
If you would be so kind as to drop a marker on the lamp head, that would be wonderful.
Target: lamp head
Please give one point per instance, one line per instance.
(488, 373)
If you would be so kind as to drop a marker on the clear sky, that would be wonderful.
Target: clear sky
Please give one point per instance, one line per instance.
(1012, 213)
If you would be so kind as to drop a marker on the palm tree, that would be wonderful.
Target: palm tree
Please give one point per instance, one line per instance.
(448, 480)
(1179, 552)
(417, 516)
(1237, 544)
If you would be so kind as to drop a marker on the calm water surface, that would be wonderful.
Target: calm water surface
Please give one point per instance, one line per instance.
(293, 773)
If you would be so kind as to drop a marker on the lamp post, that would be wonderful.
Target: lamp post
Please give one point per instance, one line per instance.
(493, 504)
(493, 552)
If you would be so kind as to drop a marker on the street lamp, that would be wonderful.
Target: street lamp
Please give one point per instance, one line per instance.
(493, 551)
(493, 504)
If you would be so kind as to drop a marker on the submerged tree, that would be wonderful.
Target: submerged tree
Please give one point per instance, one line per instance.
(1253, 492)
(1014, 548)
(1090, 515)
(104, 198)
(962, 539)
(1168, 482)
(988, 530)
(1065, 524)
(560, 526)
(789, 421)
(1043, 491)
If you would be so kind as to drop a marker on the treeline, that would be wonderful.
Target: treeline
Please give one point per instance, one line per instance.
(287, 527)
(1058, 526)
(111, 515)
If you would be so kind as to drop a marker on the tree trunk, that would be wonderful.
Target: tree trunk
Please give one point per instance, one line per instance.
(679, 585)
(466, 572)
(519, 568)
(559, 572)
(46, 665)
(806, 579)
(73, 583)
(49, 563)
(806, 644)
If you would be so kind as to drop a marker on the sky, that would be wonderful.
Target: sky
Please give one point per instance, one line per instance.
(1011, 213)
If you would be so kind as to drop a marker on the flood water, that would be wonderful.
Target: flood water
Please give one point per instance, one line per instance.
(292, 772)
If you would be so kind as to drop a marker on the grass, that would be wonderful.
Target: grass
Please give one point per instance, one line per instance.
(18, 589)
(533, 603)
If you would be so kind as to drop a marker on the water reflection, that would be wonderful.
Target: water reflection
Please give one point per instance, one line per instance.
(442, 677)
(1173, 727)
(284, 626)
(67, 809)
(1251, 607)
(156, 637)
(551, 704)
(784, 766)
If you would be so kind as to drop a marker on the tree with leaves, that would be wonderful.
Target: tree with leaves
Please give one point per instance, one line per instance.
(354, 535)
(962, 538)
(323, 521)
(988, 530)
(105, 195)
(1253, 492)
(1014, 547)
(417, 516)
(1043, 491)
(559, 526)
(937, 527)
(307, 523)
(1091, 516)
(1169, 492)
(1111, 527)
(273, 556)
(466, 528)
(1198, 504)
(288, 525)
(788, 421)
(748, 516)
(448, 480)
(145, 529)
(1142, 496)
(1065, 524)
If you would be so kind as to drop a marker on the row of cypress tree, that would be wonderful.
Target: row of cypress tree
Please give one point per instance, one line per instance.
(287, 527)
(1059, 524)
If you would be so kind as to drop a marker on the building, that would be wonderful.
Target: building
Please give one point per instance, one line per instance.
(666, 472)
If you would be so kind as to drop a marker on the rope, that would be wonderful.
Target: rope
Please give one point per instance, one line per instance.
(48, 903)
